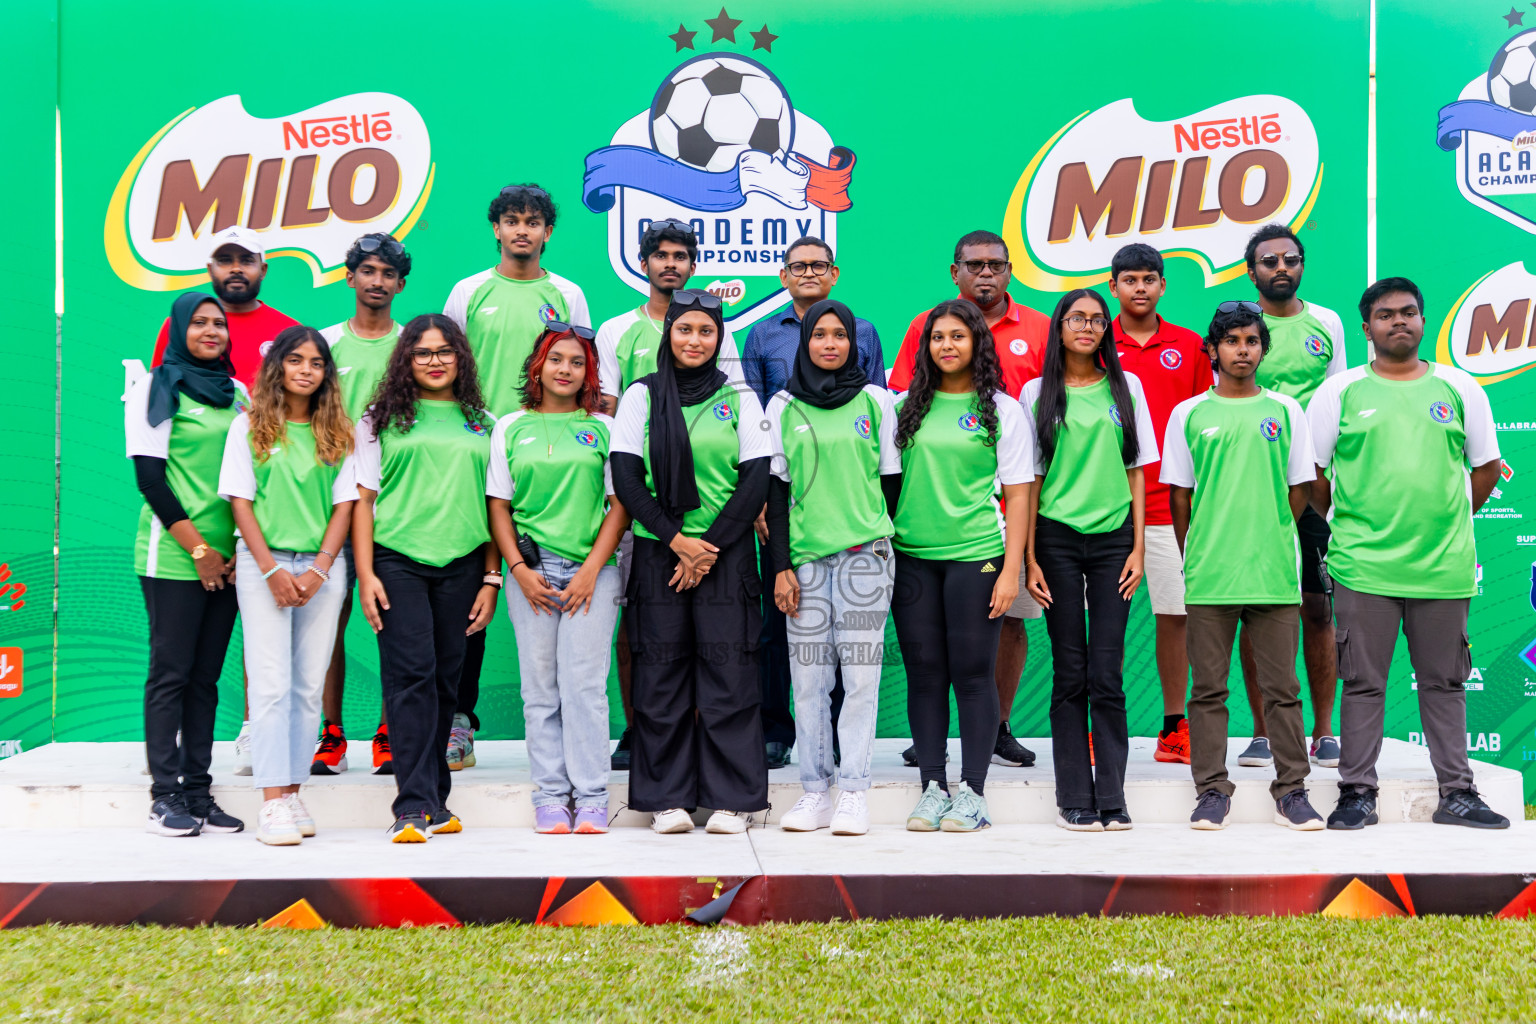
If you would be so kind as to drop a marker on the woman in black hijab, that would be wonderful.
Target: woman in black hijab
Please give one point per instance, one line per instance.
(829, 531)
(690, 461)
(177, 422)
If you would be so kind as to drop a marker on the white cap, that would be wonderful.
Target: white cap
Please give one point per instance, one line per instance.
(245, 238)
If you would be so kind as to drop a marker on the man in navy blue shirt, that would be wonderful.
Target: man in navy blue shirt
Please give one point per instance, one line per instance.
(808, 274)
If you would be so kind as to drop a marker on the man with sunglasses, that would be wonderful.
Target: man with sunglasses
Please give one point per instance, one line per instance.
(1307, 347)
(504, 310)
(982, 271)
(377, 266)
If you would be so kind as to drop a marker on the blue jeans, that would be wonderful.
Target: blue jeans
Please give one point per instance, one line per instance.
(844, 601)
(563, 660)
(287, 651)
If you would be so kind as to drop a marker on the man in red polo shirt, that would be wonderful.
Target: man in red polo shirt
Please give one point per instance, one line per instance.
(236, 266)
(1171, 364)
(982, 272)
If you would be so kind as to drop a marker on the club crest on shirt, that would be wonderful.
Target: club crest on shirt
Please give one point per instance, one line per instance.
(547, 313)
(971, 422)
(240, 405)
(1314, 345)
(1018, 346)
(475, 428)
(722, 411)
(1269, 427)
(1114, 415)
(861, 427)
(587, 438)
(1441, 412)
(1171, 359)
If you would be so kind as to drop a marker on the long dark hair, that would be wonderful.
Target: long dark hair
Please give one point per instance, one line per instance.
(1051, 410)
(986, 373)
(395, 399)
(328, 417)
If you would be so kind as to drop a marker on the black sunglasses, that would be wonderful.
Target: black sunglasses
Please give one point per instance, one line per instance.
(373, 243)
(672, 222)
(1233, 305)
(694, 297)
(561, 327)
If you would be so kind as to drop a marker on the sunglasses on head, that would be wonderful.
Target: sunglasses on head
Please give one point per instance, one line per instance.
(561, 327)
(673, 222)
(373, 243)
(1232, 306)
(694, 297)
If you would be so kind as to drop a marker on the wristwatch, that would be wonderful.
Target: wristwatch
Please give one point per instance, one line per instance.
(199, 551)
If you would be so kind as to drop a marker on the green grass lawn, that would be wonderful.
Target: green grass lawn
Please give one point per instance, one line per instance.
(1040, 969)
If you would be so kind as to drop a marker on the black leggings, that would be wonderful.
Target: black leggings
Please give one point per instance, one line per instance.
(940, 610)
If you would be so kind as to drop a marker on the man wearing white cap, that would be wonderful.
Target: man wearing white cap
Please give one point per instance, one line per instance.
(237, 264)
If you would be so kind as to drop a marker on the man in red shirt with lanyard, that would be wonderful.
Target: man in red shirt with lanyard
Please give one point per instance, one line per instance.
(1171, 363)
(236, 266)
(982, 272)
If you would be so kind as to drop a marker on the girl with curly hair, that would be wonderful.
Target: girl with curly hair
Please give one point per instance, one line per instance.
(957, 556)
(427, 572)
(290, 484)
(1093, 433)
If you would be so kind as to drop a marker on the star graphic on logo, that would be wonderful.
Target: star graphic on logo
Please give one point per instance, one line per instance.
(763, 39)
(723, 27)
(683, 38)
(1513, 18)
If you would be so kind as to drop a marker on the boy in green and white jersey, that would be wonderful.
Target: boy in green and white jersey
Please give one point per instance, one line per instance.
(1397, 438)
(1237, 460)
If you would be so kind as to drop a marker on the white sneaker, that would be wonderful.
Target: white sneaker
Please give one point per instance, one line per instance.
(243, 750)
(728, 822)
(811, 812)
(275, 825)
(301, 816)
(852, 817)
(674, 819)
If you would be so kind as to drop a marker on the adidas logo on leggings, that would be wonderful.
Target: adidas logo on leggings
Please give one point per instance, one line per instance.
(989, 567)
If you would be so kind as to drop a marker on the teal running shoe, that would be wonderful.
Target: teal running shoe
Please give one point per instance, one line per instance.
(930, 810)
(967, 812)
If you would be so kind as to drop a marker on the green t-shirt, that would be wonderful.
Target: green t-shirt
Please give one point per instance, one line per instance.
(1241, 456)
(627, 346)
(360, 364)
(833, 460)
(1397, 455)
(291, 492)
(1304, 350)
(948, 509)
(724, 431)
(1085, 486)
(554, 471)
(192, 444)
(430, 482)
(502, 319)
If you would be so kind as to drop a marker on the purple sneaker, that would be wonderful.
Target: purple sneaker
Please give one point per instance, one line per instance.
(552, 820)
(591, 821)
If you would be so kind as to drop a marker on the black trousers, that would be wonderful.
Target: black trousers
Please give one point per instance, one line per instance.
(778, 689)
(940, 610)
(698, 730)
(189, 630)
(1086, 656)
(421, 653)
(469, 676)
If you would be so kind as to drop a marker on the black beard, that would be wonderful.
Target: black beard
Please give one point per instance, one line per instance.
(238, 294)
(1281, 294)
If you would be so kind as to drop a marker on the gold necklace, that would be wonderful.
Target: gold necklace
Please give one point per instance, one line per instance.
(549, 445)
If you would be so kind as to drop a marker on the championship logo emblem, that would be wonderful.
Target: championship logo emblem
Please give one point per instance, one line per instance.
(722, 411)
(587, 438)
(1314, 345)
(1171, 359)
(548, 314)
(1491, 127)
(475, 428)
(1441, 412)
(721, 147)
(970, 422)
(1269, 427)
(861, 427)
(1114, 415)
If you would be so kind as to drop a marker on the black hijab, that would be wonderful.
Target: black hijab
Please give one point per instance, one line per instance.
(827, 389)
(210, 381)
(671, 388)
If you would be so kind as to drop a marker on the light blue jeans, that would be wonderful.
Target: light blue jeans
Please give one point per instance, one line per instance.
(563, 660)
(844, 601)
(287, 651)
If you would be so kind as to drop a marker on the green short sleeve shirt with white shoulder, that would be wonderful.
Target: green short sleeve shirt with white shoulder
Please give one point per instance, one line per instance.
(627, 346)
(1304, 350)
(1397, 453)
(192, 444)
(291, 491)
(553, 468)
(1241, 456)
(360, 363)
(950, 477)
(832, 460)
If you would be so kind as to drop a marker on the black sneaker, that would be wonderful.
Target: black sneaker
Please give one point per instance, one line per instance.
(213, 818)
(1211, 811)
(1116, 820)
(1295, 811)
(778, 755)
(1010, 751)
(1356, 808)
(909, 756)
(619, 762)
(408, 828)
(169, 816)
(444, 822)
(1079, 819)
(1465, 807)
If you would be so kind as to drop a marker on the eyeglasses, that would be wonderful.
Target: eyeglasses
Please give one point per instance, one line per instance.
(977, 266)
(1234, 305)
(373, 243)
(1077, 322)
(694, 297)
(817, 268)
(525, 190)
(428, 356)
(1271, 261)
(561, 327)
(245, 259)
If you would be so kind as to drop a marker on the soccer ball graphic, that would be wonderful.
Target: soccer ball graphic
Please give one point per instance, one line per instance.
(714, 108)
(1512, 76)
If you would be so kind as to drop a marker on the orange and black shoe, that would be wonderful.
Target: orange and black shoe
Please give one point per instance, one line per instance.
(382, 764)
(1173, 747)
(331, 754)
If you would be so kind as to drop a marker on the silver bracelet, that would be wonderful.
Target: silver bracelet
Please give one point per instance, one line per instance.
(319, 571)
